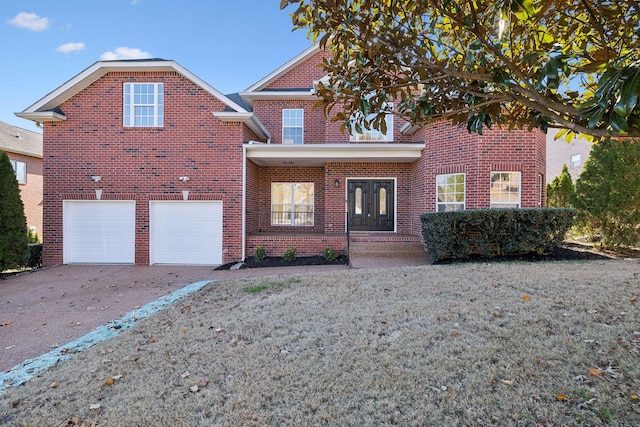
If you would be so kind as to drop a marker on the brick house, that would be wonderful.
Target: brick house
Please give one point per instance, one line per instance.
(24, 148)
(146, 163)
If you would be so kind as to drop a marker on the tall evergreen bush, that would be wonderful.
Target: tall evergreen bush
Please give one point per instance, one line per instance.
(14, 247)
(560, 190)
(607, 194)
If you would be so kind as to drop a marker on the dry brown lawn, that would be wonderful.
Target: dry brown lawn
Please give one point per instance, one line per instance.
(480, 344)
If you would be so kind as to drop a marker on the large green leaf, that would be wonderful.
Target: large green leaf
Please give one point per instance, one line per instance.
(629, 93)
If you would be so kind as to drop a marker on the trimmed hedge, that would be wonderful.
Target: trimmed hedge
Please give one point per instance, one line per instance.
(494, 232)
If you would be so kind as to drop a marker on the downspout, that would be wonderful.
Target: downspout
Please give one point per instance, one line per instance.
(244, 200)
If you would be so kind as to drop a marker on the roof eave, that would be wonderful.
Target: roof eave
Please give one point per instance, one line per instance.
(264, 82)
(42, 116)
(99, 69)
(245, 117)
(318, 154)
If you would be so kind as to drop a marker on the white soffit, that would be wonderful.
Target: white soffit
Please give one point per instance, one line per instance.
(319, 154)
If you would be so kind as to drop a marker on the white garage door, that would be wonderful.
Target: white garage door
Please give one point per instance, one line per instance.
(185, 232)
(99, 231)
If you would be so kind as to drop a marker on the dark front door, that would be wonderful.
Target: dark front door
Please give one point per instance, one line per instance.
(370, 205)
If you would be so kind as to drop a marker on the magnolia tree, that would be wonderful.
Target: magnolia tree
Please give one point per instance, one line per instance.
(519, 63)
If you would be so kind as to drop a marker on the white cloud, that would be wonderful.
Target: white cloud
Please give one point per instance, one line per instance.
(30, 21)
(70, 47)
(124, 52)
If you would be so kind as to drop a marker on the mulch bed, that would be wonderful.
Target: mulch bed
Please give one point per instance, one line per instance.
(569, 251)
(250, 262)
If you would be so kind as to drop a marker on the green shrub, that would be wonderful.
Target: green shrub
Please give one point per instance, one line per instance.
(260, 254)
(329, 254)
(35, 255)
(560, 190)
(607, 194)
(32, 236)
(290, 254)
(494, 232)
(14, 249)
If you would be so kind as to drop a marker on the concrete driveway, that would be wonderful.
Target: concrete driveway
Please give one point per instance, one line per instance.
(48, 308)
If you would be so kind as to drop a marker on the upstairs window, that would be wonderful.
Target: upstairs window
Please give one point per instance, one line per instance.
(20, 169)
(505, 189)
(143, 105)
(292, 126)
(576, 161)
(374, 135)
(450, 192)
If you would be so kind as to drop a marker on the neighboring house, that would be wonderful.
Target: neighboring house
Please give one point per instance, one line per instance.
(560, 153)
(24, 148)
(146, 163)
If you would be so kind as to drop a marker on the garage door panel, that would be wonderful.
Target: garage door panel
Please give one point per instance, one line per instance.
(100, 232)
(186, 232)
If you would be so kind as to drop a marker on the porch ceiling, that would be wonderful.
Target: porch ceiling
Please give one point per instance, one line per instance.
(319, 154)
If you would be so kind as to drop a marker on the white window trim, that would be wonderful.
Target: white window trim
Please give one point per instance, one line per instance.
(293, 127)
(513, 205)
(368, 135)
(14, 164)
(463, 203)
(129, 111)
(293, 205)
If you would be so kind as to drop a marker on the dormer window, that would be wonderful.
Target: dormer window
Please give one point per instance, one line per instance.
(292, 126)
(143, 105)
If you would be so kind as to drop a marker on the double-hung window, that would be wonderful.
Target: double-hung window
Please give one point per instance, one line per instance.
(292, 126)
(292, 203)
(374, 135)
(450, 192)
(505, 189)
(20, 169)
(143, 105)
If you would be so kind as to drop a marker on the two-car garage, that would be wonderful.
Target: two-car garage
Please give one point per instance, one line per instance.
(180, 232)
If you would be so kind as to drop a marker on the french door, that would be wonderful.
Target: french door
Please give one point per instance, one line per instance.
(370, 204)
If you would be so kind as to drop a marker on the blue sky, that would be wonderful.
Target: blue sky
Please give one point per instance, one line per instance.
(230, 44)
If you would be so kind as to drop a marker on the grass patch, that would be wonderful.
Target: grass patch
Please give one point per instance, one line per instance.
(269, 284)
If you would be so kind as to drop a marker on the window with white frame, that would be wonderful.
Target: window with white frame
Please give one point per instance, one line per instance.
(575, 161)
(143, 105)
(292, 203)
(505, 189)
(292, 126)
(374, 135)
(20, 169)
(450, 192)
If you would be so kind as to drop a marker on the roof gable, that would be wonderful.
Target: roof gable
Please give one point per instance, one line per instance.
(285, 68)
(45, 108)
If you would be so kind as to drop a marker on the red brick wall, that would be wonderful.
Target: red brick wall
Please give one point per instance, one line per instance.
(270, 115)
(303, 75)
(31, 191)
(288, 174)
(454, 150)
(142, 164)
